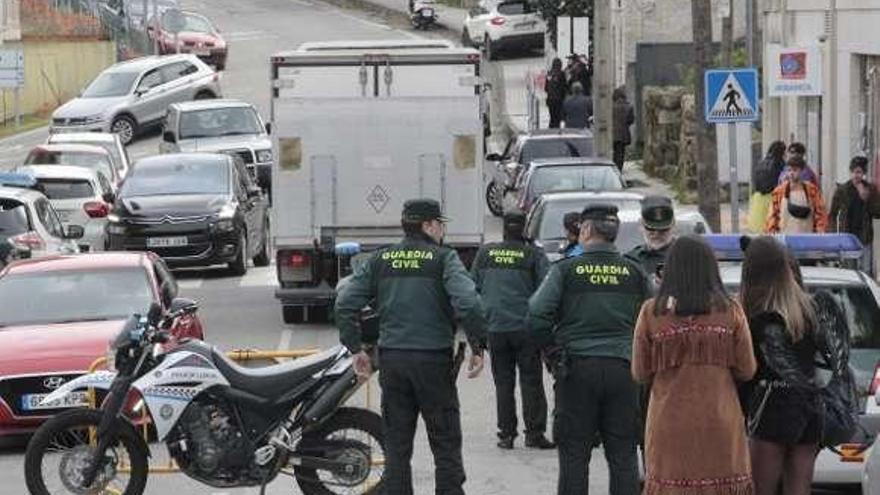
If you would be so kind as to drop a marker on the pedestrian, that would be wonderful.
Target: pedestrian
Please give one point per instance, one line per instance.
(556, 88)
(764, 181)
(855, 205)
(798, 150)
(420, 290)
(572, 224)
(587, 306)
(784, 407)
(507, 273)
(577, 108)
(658, 230)
(796, 206)
(692, 343)
(623, 119)
(579, 72)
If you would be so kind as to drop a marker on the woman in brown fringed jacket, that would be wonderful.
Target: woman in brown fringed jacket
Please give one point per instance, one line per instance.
(692, 342)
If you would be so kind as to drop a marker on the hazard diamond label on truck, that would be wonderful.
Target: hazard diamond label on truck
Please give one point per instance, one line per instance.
(378, 199)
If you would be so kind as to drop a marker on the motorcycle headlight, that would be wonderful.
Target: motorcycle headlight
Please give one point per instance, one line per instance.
(264, 156)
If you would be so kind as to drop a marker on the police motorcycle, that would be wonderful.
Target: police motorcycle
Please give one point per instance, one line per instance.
(423, 14)
(224, 425)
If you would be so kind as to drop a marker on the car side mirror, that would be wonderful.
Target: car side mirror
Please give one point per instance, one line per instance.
(494, 157)
(168, 137)
(268, 128)
(109, 198)
(74, 232)
(181, 306)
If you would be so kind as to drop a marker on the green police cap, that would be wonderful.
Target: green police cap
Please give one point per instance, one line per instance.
(514, 220)
(422, 210)
(657, 213)
(600, 211)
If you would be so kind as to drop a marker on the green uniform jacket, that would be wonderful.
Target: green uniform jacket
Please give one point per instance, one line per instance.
(589, 304)
(419, 287)
(507, 274)
(648, 259)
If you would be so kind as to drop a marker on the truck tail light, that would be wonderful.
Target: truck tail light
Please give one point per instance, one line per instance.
(29, 241)
(498, 21)
(295, 266)
(96, 209)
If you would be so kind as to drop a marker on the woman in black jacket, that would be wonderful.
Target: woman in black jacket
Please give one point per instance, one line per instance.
(784, 407)
(765, 178)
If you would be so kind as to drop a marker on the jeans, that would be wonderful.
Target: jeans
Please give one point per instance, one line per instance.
(511, 351)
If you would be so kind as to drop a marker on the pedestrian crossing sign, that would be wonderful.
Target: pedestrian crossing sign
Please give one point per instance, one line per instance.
(731, 96)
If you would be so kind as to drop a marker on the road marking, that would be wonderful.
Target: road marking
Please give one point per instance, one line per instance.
(190, 283)
(249, 35)
(259, 277)
(286, 337)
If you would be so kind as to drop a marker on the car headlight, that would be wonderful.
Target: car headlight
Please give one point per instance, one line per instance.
(228, 211)
(224, 225)
(264, 156)
(94, 119)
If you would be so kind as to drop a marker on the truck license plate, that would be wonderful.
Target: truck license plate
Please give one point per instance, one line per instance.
(159, 242)
(31, 402)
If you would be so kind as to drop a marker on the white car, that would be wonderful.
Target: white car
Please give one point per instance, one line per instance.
(499, 25)
(80, 196)
(110, 142)
(75, 155)
(29, 222)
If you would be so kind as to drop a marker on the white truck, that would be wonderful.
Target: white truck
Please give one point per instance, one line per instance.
(359, 128)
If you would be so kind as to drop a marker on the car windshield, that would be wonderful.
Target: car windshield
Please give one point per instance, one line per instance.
(191, 23)
(110, 84)
(551, 218)
(515, 8)
(66, 188)
(13, 219)
(59, 296)
(574, 178)
(91, 161)
(218, 122)
(572, 147)
(178, 178)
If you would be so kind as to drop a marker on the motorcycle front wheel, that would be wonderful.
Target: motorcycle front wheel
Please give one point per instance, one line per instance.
(61, 448)
(360, 428)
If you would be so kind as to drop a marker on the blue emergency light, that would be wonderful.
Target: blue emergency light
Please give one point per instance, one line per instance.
(802, 246)
(10, 179)
(347, 248)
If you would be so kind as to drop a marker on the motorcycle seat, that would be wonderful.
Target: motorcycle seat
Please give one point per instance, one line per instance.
(275, 380)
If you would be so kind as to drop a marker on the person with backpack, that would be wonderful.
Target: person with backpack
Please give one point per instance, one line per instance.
(763, 183)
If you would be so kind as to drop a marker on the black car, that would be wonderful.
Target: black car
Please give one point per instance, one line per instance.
(192, 209)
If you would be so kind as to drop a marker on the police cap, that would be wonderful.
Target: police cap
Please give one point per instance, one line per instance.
(422, 210)
(657, 213)
(600, 211)
(514, 220)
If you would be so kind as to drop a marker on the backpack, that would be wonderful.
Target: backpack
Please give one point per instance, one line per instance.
(840, 395)
(764, 176)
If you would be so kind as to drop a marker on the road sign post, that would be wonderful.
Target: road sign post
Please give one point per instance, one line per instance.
(732, 97)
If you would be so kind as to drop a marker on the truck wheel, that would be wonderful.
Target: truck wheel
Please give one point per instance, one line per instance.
(293, 315)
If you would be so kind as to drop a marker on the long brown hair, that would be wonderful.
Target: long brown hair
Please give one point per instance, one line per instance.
(770, 285)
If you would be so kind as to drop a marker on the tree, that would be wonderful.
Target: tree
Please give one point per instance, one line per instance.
(707, 168)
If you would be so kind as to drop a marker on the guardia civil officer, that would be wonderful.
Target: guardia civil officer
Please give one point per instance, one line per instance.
(588, 305)
(419, 288)
(507, 274)
(658, 222)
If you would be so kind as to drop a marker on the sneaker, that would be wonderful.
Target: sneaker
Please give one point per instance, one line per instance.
(506, 443)
(540, 442)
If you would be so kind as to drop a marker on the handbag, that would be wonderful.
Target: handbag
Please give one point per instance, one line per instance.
(757, 406)
(797, 211)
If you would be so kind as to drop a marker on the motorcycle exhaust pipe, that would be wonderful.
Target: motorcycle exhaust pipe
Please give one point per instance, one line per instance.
(332, 397)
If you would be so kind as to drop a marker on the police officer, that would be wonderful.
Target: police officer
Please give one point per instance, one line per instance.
(571, 223)
(588, 305)
(658, 222)
(419, 287)
(507, 274)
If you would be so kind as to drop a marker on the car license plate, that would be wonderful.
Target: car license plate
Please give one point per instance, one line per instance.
(522, 26)
(201, 53)
(153, 242)
(32, 402)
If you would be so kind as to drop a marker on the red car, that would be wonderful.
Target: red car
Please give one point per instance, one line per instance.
(198, 36)
(57, 316)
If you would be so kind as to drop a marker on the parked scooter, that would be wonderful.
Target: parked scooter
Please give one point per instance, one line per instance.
(423, 14)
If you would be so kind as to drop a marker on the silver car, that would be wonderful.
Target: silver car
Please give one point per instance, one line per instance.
(130, 96)
(223, 126)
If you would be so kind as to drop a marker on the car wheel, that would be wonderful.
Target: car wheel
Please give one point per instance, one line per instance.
(495, 199)
(262, 258)
(125, 127)
(489, 49)
(205, 95)
(239, 265)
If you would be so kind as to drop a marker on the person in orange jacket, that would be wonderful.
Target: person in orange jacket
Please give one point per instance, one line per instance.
(796, 206)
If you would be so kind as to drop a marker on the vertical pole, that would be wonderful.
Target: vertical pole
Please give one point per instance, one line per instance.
(750, 31)
(603, 78)
(156, 30)
(727, 36)
(734, 178)
(16, 95)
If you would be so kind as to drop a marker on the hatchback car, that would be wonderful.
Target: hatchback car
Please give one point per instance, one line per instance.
(131, 96)
(75, 155)
(566, 174)
(504, 25)
(222, 126)
(110, 142)
(29, 223)
(199, 37)
(80, 196)
(525, 148)
(193, 209)
(57, 315)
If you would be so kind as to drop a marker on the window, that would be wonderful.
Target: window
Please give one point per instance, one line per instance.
(48, 218)
(515, 8)
(150, 80)
(66, 188)
(105, 184)
(175, 71)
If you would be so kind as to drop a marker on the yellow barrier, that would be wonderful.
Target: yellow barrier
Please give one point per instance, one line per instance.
(237, 355)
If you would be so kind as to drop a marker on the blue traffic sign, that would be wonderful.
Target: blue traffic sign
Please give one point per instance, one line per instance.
(731, 96)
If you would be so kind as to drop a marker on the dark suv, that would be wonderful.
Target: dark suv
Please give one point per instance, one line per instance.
(193, 209)
(524, 148)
